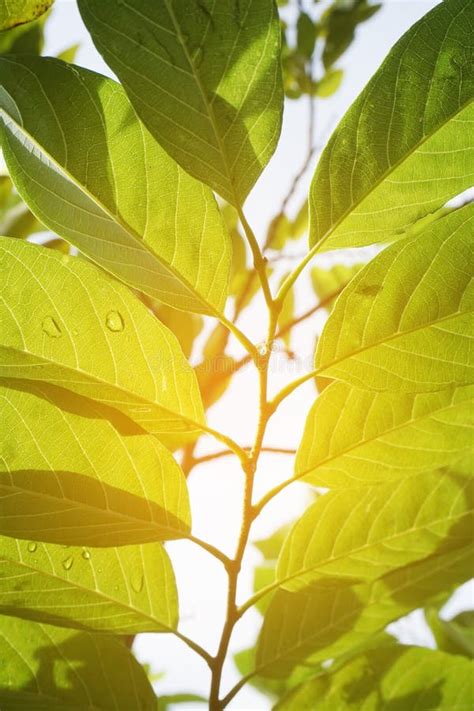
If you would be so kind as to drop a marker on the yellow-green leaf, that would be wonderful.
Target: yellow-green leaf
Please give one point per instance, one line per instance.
(68, 476)
(18, 12)
(406, 146)
(394, 677)
(354, 437)
(326, 282)
(100, 341)
(93, 174)
(204, 78)
(51, 669)
(125, 590)
(323, 622)
(405, 322)
(359, 535)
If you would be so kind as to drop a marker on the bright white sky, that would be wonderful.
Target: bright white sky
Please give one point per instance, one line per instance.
(216, 489)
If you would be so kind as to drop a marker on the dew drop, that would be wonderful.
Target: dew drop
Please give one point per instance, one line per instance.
(114, 321)
(67, 563)
(32, 547)
(262, 349)
(51, 328)
(137, 581)
(86, 555)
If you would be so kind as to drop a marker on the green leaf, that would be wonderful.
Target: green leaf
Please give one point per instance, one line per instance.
(405, 146)
(185, 326)
(203, 77)
(396, 677)
(329, 84)
(135, 365)
(270, 547)
(264, 574)
(69, 54)
(358, 535)
(16, 220)
(300, 223)
(18, 12)
(123, 202)
(125, 590)
(24, 39)
(76, 480)
(405, 321)
(355, 437)
(305, 35)
(167, 702)
(340, 23)
(245, 662)
(455, 636)
(51, 669)
(323, 622)
(326, 282)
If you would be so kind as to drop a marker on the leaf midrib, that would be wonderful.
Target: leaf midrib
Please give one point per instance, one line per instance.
(134, 236)
(399, 334)
(464, 552)
(208, 106)
(146, 525)
(351, 209)
(401, 426)
(328, 561)
(95, 379)
(79, 586)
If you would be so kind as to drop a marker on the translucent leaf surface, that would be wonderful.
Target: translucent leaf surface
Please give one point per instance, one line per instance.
(405, 322)
(17, 12)
(355, 436)
(393, 678)
(358, 535)
(323, 622)
(68, 476)
(406, 146)
(135, 365)
(204, 77)
(123, 201)
(124, 590)
(46, 668)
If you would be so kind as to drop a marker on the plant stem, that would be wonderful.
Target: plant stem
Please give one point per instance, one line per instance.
(226, 453)
(259, 261)
(240, 336)
(215, 552)
(228, 441)
(288, 389)
(195, 647)
(249, 467)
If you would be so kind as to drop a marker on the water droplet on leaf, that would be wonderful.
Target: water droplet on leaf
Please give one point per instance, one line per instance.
(32, 547)
(114, 321)
(51, 328)
(67, 563)
(86, 555)
(137, 581)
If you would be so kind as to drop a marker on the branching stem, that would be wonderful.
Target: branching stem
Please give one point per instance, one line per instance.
(248, 515)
